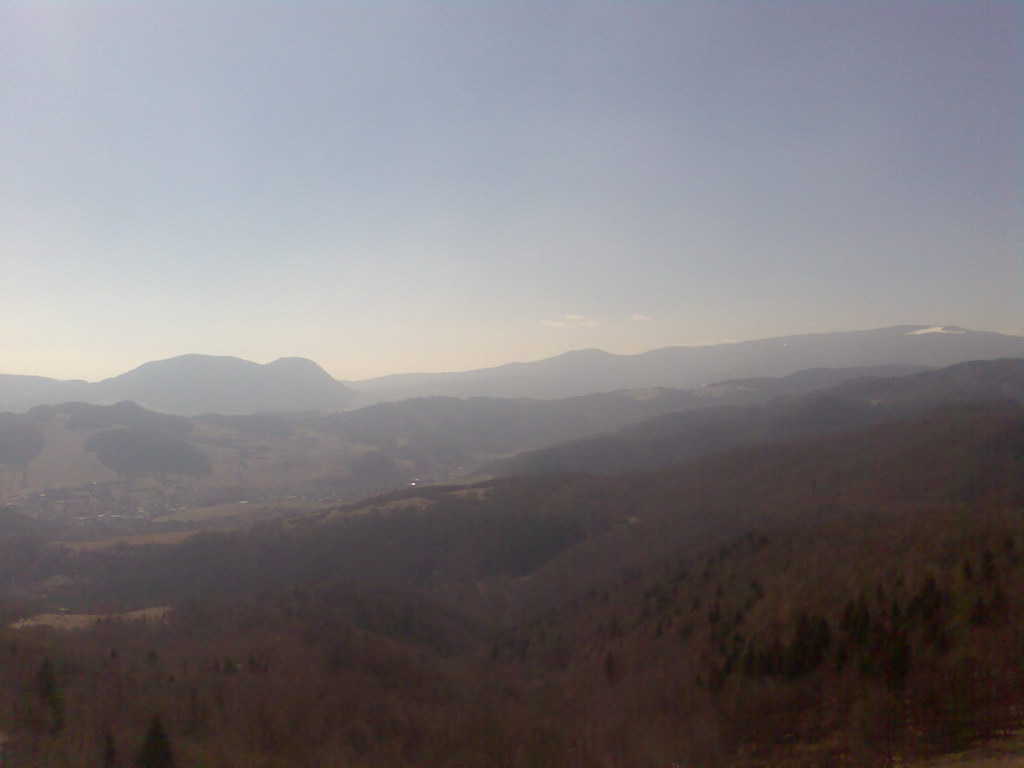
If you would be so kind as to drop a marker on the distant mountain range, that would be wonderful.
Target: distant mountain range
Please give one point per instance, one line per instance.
(591, 370)
(195, 384)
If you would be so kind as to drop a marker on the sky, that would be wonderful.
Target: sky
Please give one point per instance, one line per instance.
(390, 186)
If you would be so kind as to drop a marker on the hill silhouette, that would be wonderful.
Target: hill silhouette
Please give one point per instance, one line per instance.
(592, 370)
(438, 433)
(193, 384)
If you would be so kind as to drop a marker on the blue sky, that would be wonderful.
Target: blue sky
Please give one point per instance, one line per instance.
(394, 186)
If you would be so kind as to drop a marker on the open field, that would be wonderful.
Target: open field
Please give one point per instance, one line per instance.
(82, 620)
(240, 509)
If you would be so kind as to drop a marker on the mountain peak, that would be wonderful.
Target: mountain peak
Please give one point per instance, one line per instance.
(590, 352)
(940, 329)
(295, 364)
(196, 383)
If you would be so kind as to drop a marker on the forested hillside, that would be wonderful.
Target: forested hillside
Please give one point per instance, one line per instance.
(848, 598)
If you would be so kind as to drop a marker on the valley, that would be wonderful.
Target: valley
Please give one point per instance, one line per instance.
(816, 570)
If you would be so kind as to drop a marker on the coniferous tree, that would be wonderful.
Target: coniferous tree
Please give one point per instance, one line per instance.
(49, 692)
(609, 666)
(109, 751)
(156, 749)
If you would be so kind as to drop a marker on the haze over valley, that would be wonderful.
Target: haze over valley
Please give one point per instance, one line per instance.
(501, 385)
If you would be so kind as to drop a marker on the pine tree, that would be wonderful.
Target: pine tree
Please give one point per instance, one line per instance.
(156, 749)
(49, 692)
(109, 751)
(609, 666)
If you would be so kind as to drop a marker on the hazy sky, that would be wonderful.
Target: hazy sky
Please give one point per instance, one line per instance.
(389, 186)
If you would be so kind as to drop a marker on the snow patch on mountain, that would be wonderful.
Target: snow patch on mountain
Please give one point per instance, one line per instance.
(936, 329)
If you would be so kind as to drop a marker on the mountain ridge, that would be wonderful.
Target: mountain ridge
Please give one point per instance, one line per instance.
(195, 383)
(686, 367)
(854, 403)
(192, 384)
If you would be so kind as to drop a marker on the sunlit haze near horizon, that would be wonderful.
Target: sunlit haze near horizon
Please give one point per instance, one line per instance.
(397, 186)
